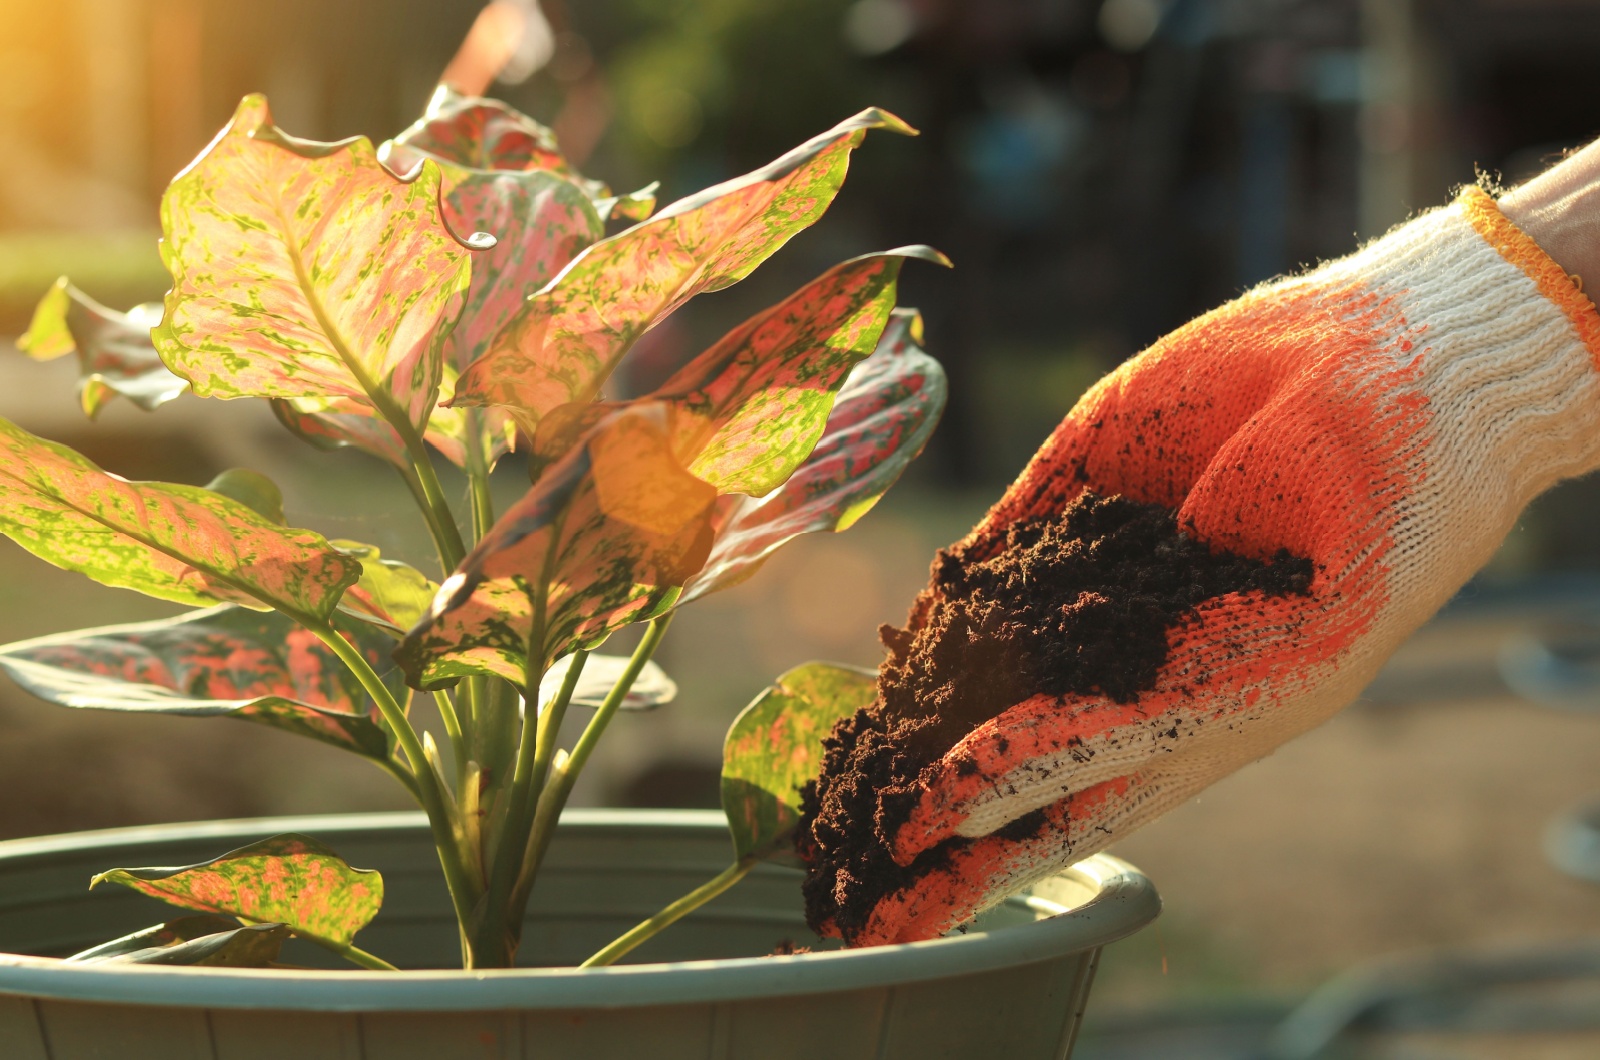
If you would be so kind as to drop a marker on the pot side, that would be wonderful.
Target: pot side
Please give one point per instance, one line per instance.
(1014, 985)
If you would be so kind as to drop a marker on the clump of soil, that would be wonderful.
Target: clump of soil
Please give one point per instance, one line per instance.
(1077, 603)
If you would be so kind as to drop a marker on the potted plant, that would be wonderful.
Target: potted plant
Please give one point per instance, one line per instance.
(453, 292)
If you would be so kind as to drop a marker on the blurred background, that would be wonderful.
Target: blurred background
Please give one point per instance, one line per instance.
(1100, 171)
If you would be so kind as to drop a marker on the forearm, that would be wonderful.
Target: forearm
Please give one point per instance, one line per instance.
(1560, 209)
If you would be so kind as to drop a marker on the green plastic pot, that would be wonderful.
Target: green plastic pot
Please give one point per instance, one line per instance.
(1012, 986)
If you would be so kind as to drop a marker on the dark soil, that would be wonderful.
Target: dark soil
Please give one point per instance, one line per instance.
(1081, 602)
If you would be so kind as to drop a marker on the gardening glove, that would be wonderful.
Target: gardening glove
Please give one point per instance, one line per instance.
(1386, 416)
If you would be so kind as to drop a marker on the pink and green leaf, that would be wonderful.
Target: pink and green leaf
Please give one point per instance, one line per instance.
(220, 662)
(566, 340)
(774, 748)
(540, 222)
(337, 423)
(749, 411)
(115, 355)
(307, 270)
(602, 539)
(882, 418)
(391, 595)
(232, 946)
(291, 880)
(473, 132)
(174, 542)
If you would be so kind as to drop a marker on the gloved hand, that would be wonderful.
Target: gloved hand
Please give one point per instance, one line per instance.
(1387, 416)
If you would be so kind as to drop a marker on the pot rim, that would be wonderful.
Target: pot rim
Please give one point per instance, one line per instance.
(1125, 900)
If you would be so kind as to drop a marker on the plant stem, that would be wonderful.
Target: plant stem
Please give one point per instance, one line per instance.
(613, 701)
(357, 956)
(546, 734)
(554, 798)
(452, 730)
(441, 820)
(477, 461)
(533, 761)
(435, 509)
(672, 913)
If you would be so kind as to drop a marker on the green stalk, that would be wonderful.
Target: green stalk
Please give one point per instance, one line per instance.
(359, 957)
(478, 475)
(440, 818)
(549, 729)
(452, 731)
(533, 762)
(554, 798)
(647, 929)
(436, 533)
(435, 509)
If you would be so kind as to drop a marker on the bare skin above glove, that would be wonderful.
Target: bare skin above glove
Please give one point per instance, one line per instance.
(1302, 478)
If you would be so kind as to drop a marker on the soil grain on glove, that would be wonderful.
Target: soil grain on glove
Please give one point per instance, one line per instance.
(1078, 603)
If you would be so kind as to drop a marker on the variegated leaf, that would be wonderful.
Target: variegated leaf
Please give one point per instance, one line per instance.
(220, 662)
(337, 423)
(471, 133)
(307, 270)
(291, 880)
(775, 746)
(175, 542)
(566, 340)
(651, 689)
(251, 946)
(602, 539)
(880, 422)
(540, 222)
(115, 355)
(749, 410)
(390, 594)
(475, 133)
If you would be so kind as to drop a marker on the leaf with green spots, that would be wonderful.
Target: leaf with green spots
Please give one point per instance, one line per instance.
(774, 748)
(115, 355)
(602, 539)
(748, 411)
(307, 270)
(472, 134)
(880, 421)
(223, 661)
(291, 880)
(251, 946)
(390, 594)
(174, 542)
(651, 689)
(540, 221)
(338, 423)
(566, 340)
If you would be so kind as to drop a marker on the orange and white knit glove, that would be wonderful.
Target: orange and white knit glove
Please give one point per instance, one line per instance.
(1386, 416)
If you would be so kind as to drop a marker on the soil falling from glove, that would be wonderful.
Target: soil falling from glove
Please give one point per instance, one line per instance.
(1078, 603)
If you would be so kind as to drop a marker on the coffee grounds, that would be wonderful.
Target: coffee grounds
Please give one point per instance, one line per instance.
(1077, 603)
